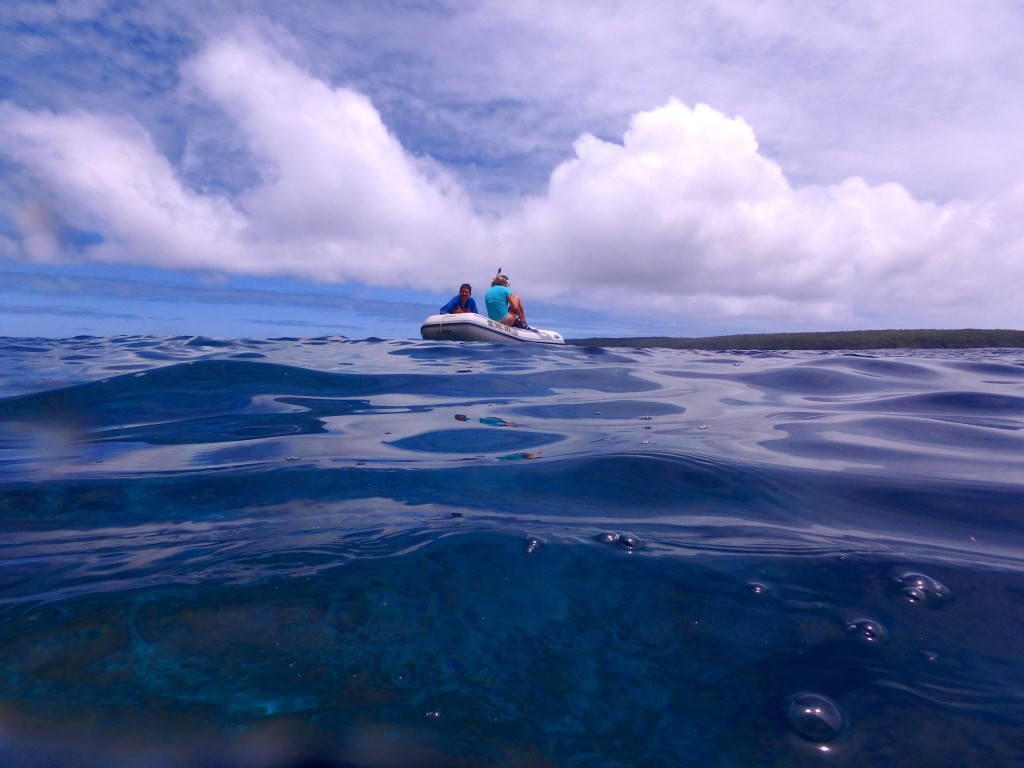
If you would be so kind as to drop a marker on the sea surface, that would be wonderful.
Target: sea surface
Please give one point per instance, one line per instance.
(313, 553)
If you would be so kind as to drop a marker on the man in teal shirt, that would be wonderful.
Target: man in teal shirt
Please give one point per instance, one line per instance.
(503, 305)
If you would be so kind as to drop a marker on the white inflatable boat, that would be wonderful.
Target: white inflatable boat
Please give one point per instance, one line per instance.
(469, 327)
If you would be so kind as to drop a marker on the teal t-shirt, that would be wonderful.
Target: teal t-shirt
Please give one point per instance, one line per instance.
(496, 300)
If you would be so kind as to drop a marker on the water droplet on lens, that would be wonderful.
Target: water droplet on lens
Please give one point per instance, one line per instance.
(918, 588)
(533, 544)
(868, 630)
(813, 716)
(630, 542)
(607, 537)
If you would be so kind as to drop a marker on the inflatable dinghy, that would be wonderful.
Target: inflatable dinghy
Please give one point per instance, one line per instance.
(470, 327)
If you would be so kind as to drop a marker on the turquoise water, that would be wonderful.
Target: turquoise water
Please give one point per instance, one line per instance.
(323, 552)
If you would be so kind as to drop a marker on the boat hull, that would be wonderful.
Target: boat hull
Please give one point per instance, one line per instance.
(470, 327)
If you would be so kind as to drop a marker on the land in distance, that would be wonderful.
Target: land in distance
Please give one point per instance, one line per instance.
(968, 338)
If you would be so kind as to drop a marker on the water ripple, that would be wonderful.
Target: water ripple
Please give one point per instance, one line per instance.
(476, 554)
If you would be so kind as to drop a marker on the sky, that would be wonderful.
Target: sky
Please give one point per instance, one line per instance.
(252, 168)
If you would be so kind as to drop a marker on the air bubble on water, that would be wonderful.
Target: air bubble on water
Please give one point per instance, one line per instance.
(607, 537)
(868, 630)
(630, 542)
(757, 588)
(919, 588)
(815, 717)
(533, 544)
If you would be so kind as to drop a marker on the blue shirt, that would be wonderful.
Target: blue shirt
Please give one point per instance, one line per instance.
(496, 300)
(470, 305)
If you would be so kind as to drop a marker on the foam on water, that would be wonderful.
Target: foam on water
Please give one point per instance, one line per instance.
(327, 552)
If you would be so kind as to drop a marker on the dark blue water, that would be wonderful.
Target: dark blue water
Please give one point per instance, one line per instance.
(320, 552)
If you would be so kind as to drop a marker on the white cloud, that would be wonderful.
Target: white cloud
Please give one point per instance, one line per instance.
(340, 195)
(687, 216)
(924, 93)
(106, 176)
(340, 200)
(687, 209)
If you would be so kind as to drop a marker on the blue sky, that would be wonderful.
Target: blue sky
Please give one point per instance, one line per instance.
(267, 169)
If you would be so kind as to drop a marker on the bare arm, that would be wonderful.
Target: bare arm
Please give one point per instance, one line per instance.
(516, 306)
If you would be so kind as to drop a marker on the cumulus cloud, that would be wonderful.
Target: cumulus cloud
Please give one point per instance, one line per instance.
(339, 198)
(686, 215)
(103, 174)
(339, 193)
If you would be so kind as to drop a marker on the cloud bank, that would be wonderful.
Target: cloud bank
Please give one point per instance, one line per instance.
(685, 216)
(687, 213)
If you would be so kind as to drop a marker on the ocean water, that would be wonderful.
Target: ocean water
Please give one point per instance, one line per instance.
(323, 552)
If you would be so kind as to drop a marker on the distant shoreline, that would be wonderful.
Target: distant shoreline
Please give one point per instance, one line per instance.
(969, 338)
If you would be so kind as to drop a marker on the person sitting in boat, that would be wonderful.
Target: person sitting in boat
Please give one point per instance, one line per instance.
(461, 303)
(503, 305)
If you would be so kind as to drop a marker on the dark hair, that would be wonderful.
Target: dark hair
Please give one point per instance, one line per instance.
(466, 285)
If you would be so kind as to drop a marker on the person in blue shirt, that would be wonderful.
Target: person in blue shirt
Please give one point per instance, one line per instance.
(461, 303)
(503, 305)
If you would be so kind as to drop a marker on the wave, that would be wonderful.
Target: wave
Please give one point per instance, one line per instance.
(506, 556)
